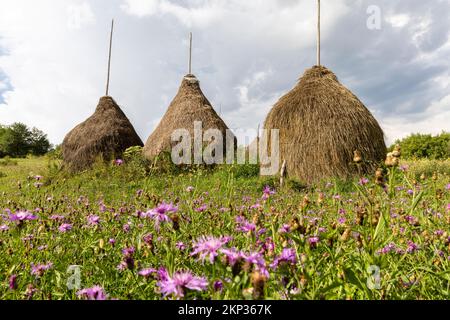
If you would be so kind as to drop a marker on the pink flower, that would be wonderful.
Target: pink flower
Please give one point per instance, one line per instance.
(93, 220)
(94, 293)
(22, 216)
(146, 273)
(39, 269)
(207, 247)
(181, 281)
(159, 214)
(65, 227)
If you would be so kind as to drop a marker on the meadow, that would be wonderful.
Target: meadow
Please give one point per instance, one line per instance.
(122, 231)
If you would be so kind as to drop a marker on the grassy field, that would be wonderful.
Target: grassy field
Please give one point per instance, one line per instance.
(118, 232)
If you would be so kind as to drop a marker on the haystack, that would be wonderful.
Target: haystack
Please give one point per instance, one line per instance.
(107, 134)
(188, 106)
(321, 124)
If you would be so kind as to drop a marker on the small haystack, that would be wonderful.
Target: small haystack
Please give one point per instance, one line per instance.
(321, 124)
(189, 105)
(107, 134)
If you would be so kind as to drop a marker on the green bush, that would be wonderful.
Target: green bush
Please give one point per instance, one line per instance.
(425, 146)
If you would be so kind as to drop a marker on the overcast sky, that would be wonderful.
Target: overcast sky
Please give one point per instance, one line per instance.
(247, 54)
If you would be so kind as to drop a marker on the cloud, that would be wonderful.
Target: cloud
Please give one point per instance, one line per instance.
(247, 54)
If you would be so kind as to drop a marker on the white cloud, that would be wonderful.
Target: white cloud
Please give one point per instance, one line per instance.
(398, 20)
(79, 15)
(140, 8)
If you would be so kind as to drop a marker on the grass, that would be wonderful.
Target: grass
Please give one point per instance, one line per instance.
(339, 239)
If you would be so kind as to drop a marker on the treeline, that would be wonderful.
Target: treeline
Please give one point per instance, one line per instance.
(18, 141)
(420, 146)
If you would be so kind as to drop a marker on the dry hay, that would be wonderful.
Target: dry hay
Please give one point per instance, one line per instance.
(321, 125)
(188, 106)
(106, 134)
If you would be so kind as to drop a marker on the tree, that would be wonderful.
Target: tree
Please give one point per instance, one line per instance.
(426, 146)
(39, 143)
(17, 140)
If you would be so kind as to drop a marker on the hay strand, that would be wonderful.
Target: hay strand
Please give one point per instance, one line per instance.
(109, 57)
(321, 124)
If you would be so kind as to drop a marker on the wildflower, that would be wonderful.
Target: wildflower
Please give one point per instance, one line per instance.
(94, 293)
(93, 220)
(22, 216)
(30, 291)
(160, 213)
(218, 285)
(410, 192)
(57, 217)
(13, 282)
(180, 282)
(404, 168)
(128, 261)
(148, 238)
(38, 178)
(139, 192)
(448, 186)
(313, 241)
(126, 227)
(388, 248)
(180, 246)
(201, 208)
(391, 160)
(285, 229)
(4, 227)
(342, 220)
(244, 225)
(255, 258)
(232, 255)
(190, 189)
(42, 248)
(412, 247)
(112, 241)
(118, 162)
(267, 192)
(65, 227)
(209, 246)
(39, 269)
(146, 273)
(287, 256)
(363, 181)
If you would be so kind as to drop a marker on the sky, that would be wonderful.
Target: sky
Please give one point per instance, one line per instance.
(246, 54)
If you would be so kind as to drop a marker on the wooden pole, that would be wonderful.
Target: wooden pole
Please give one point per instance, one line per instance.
(109, 58)
(318, 33)
(190, 52)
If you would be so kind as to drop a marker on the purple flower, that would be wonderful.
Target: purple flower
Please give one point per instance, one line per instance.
(38, 178)
(363, 181)
(22, 216)
(313, 241)
(148, 238)
(94, 293)
(128, 252)
(57, 217)
(218, 285)
(285, 229)
(112, 241)
(255, 258)
(342, 220)
(389, 248)
(404, 168)
(13, 282)
(39, 269)
(118, 162)
(233, 255)
(448, 186)
(127, 261)
(146, 273)
(93, 220)
(244, 225)
(65, 227)
(267, 192)
(180, 246)
(412, 247)
(208, 246)
(180, 282)
(190, 189)
(410, 192)
(287, 256)
(202, 208)
(4, 227)
(160, 213)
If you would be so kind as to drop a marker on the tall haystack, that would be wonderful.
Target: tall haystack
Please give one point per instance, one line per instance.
(321, 124)
(107, 134)
(188, 106)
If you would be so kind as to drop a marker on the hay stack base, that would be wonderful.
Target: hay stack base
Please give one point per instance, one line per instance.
(106, 134)
(321, 124)
(188, 106)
